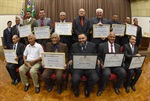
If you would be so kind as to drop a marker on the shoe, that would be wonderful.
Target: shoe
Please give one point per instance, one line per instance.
(26, 88)
(117, 91)
(37, 90)
(50, 88)
(127, 89)
(59, 91)
(99, 93)
(86, 93)
(12, 82)
(76, 93)
(133, 88)
(16, 82)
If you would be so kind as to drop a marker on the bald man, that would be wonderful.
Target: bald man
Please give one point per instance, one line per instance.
(32, 58)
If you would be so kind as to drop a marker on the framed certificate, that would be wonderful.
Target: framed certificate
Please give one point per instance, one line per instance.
(42, 32)
(113, 60)
(63, 28)
(10, 56)
(84, 61)
(118, 29)
(25, 30)
(137, 62)
(131, 29)
(53, 60)
(101, 31)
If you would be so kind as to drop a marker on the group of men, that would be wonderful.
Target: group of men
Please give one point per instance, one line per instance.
(29, 58)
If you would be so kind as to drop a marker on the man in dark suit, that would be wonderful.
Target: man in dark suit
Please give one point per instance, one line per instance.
(104, 48)
(7, 35)
(100, 21)
(11, 68)
(115, 21)
(83, 46)
(54, 46)
(130, 49)
(139, 32)
(80, 25)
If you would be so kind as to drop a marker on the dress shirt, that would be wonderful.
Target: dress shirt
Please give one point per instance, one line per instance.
(109, 47)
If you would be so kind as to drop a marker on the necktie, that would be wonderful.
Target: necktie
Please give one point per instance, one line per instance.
(111, 48)
(82, 21)
(42, 22)
(132, 49)
(14, 46)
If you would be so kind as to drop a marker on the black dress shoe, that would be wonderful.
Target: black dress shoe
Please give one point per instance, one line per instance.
(99, 93)
(12, 82)
(16, 82)
(76, 93)
(127, 89)
(37, 90)
(86, 93)
(26, 87)
(117, 91)
(50, 88)
(59, 91)
(133, 88)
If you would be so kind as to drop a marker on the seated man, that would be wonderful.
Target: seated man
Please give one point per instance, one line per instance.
(131, 50)
(54, 46)
(104, 48)
(83, 46)
(32, 60)
(11, 68)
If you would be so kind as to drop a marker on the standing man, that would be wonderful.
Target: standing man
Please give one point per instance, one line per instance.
(104, 48)
(86, 47)
(80, 25)
(43, 21)
(139, 32)
(130, 49)
(11, 68)
(100, 21)
(32, 58)
(54, 46)
(7, 35)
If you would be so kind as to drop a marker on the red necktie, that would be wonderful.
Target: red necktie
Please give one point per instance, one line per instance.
(82, 21)
(42, 22)
(111, 48)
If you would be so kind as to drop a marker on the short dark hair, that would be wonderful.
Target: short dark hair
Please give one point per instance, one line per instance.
(132, 36)
(41, 9)
(135, 19)
(8, 22)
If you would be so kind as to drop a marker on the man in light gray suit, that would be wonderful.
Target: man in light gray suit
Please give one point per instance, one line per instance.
(43, 21)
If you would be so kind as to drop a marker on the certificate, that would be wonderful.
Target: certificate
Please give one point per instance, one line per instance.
(118, 29)
(10, 56)
(137, 62)
(63, 28)
(101, 31)
(53, 60)
(131, 29)
(84, 61)
(113, 60)
(42, 32)
(24, 31)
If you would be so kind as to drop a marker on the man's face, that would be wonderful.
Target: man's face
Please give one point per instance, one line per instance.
(128, 21)
(82, 12)
(115, 18)
(82, 38)
(42, 14)
(135, 22)
(17, 21)
(28, 14)
(9, 24)
(55, 39)
(31, 40)
(62, 16)
(99, 14)
(15, 39)
(111, 37)
(132, 40)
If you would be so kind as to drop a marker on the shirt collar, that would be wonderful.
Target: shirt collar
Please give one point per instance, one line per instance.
(110, 43)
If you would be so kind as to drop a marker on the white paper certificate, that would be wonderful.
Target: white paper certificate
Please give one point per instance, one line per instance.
(10, 56)
(84, 61)
(118, 29)
(131, 29)
(113, 60)
(101, 31)
(53, 60)
(63, 28)
(24, 31)
(42, 32)
(136, 62)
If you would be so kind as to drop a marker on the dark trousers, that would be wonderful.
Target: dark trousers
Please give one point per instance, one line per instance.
(131, 72)
(11, 68)
(106, 72)
(92, 78)
(47, 80)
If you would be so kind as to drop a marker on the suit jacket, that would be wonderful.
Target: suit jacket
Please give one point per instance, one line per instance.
(103, 50)
(19, 52)
(112, 22)
(15, 31)
(7, 37)
(62, 48)
(79, 29)
(32, 22)
(139, 36)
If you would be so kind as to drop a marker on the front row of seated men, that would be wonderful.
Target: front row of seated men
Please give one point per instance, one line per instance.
(32, 58)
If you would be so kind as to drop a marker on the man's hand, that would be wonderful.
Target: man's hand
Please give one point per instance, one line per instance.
(16, 59)
(70, 62)
(100, 24)
(103, 38)
(65, 66)
(32, 62)
(102, 66)
(98, 62)
(138, 55)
